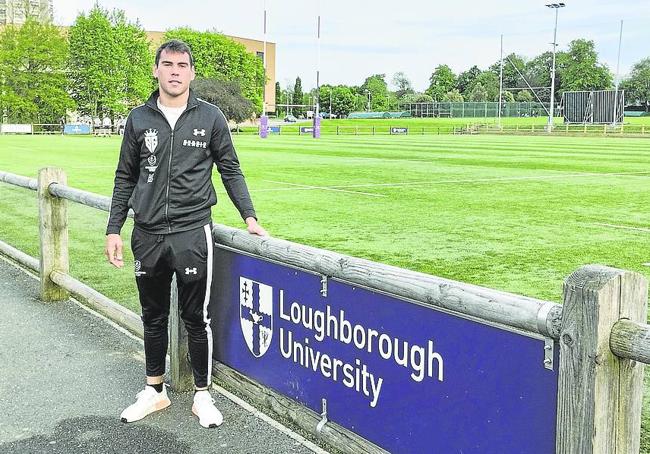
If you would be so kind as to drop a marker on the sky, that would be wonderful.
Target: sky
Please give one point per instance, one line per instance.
(364, 37)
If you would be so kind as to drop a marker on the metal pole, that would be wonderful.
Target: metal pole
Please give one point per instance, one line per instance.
(557, 7)
(618, 64)
(264, 120)
(500, 81)
(316, 132)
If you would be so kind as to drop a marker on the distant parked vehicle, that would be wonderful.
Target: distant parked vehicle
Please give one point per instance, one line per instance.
(290, 119)
(327, 115)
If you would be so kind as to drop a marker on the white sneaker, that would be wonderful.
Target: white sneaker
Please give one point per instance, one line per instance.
(209, 416)
(147, 401)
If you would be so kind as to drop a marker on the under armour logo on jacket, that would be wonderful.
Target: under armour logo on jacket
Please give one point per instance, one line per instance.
(199, 132)
(190, 270)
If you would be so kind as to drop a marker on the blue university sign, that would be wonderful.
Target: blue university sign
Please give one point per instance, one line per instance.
(405, 376)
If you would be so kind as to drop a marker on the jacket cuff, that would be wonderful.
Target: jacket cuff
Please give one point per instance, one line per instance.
(113, 229)
(248, 214)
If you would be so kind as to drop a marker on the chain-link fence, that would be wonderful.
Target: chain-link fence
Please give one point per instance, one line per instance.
(475, 109)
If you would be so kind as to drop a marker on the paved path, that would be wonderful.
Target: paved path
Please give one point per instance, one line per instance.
(65, 376)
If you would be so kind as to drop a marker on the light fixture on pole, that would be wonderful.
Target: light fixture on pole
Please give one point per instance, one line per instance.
(556, 7)
(264, 119)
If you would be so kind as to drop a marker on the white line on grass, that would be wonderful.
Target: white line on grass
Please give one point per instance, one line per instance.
(309, 187)
(430, 182)
(624, 227)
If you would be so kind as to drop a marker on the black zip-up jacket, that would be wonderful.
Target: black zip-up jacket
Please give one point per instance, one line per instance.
(165, 175)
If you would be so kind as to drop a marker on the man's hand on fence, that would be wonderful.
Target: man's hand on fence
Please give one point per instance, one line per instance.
(113, 250)
(253, 227)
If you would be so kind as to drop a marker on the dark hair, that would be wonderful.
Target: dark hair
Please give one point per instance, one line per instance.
(175, 46)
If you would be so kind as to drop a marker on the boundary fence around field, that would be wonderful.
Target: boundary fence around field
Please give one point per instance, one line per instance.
(586, 130)
(601, 325)
(392, 128)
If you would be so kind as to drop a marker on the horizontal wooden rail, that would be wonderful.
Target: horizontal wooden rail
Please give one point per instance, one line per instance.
(100, 303)
(18, 180)
(631, 340)
(83, 197)
(19, 256)
(527, 314)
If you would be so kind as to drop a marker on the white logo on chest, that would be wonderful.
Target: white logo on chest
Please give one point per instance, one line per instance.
(151, 140)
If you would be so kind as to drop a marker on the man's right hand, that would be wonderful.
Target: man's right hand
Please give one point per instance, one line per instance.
(113, 250)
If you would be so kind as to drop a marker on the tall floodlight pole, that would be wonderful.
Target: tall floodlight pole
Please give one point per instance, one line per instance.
(500, 81)
(618, 64)
(317, 119)
(264, 119)
(556, 7)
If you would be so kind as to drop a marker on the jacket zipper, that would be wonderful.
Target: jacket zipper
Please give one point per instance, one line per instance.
(169, 177)
(169, 166)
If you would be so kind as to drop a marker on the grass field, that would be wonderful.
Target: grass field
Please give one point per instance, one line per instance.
(508, 212)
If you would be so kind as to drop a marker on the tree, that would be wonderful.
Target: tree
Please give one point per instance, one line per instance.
(110, 63)
(227, 95)
(32, 73)
(453, 96)
(490, 83)
(582, 70)
(524, 96)
(343, 99)
(466, 79)
(278, 98)
(511, 78)
(637, 85)
(423, 97)
(507, 96)
(442, 80)
(324, 97)
(218, 57)
(378, 89)
(478, 93)
(403, 85)
(297, 96)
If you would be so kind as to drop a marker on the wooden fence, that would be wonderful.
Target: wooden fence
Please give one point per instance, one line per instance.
(601, 325)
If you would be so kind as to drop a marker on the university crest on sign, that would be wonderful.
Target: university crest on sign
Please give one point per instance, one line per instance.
(256, 315)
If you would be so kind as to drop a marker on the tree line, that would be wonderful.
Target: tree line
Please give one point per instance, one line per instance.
(524, 80)
(102, 67)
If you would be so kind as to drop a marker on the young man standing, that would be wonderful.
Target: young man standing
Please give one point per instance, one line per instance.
(165, 174)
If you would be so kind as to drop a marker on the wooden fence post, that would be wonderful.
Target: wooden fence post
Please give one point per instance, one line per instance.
(180, 371)
(599, 395)
(53, 233)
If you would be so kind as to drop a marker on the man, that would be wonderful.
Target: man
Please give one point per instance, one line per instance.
(164, 173)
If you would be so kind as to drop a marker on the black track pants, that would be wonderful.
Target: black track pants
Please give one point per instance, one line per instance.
(157, 257)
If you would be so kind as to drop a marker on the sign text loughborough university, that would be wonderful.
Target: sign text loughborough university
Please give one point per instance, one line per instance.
(407, 377)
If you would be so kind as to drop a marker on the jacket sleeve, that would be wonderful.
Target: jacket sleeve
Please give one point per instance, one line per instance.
(126, 177)
(225, 157)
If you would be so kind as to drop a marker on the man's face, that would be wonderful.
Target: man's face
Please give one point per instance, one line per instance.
(174, 73)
